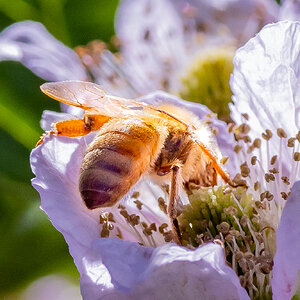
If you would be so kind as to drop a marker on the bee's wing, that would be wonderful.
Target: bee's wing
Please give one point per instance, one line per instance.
(93, 98)
(86, 95)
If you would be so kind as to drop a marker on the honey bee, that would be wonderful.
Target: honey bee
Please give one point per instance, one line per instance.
(135, 140)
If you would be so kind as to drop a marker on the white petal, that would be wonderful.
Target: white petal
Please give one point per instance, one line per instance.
(116, 269)
(49, 117)
(151, 35)
(31, 44)
(265, 77)
(286, 261)
(265, 85)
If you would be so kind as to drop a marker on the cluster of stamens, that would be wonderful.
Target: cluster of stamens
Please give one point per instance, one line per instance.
(137, 224)
(245, 220)
(230, 215)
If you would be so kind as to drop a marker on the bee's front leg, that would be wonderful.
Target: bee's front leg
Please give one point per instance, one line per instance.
(173, 203)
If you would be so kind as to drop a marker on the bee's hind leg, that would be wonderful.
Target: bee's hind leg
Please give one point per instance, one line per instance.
(76, 127)
(173, 203)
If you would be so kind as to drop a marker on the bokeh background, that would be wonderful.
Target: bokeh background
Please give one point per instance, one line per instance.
(30, 247)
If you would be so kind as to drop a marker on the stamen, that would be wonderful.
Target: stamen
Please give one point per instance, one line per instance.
(281, 133)
(267, 136)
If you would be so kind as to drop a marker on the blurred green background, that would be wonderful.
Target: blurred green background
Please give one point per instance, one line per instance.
(30, 246)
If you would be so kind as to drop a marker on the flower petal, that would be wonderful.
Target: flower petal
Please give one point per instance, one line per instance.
(290, 10)
(56, 165)
(265, 85)
(115, 269)
(151, 35)
(49, 117)
(286, 261)
(238, 18)
(265, 76)
(31, 44)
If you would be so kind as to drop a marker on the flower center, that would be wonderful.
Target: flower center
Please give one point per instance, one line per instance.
(231, 216)
(207, 80)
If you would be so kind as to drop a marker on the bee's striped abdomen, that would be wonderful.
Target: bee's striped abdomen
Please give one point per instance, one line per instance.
(115, 160)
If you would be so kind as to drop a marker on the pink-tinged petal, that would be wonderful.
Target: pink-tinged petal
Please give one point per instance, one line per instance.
(151, 34)
(286, 261)
(225, 141)
(290, 10)
(31, 44)
(115, 269)
(56, 165)
(238, 18)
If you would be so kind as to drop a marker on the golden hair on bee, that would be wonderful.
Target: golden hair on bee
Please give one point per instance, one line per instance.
(133, 140)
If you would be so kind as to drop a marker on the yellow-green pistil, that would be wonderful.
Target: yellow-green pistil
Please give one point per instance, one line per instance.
(207, 80)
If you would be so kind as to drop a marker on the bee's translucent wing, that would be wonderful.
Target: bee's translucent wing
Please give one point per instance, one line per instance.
(88, 96)
(93, 98)
(82, 94)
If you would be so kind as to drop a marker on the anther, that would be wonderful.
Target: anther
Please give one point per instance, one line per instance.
(297, 156)
(231, 210)
(244, 220)
(162, 227)
(298, 136)
(245, 171)
(269, 177)
(285, 180)
(246, 139)
(237, 148)
(244, 128)
(267, 135)
(291, 142)
(135, 195)
(256, 186)
(257, 143)
(224, 160)
(215, 131)
(269, 196)
(274, 171)
(230, 127)
(253, 160)
(246, 116)
(223, 227)
(139, 204)
(273, 159)
(281, 133)
(162, 205)
(239, 181)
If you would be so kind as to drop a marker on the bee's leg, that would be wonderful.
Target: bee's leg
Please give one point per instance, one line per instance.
(77, 127)
(173, 202)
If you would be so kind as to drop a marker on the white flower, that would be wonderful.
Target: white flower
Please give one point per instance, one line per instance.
(115, 269)
(265, 87)
(265, 221)
(183, 47)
